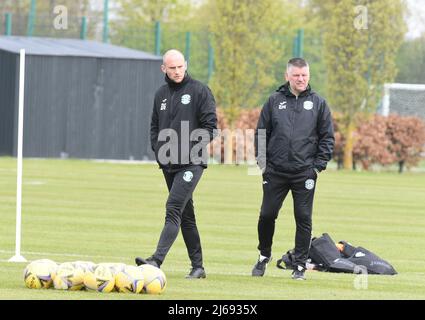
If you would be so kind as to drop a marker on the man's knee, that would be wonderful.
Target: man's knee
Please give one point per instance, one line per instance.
(188, 221)
(269, 214)
(173, 212)
(303, 217)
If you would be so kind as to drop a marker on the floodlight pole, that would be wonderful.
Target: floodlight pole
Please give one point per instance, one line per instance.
(18, 257)
(187, 49)
(105, 21)
(31, 18)
(210, 61)
(8, 24)
(157, 38)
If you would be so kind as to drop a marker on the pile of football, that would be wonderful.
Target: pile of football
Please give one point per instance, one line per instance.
(102, 277)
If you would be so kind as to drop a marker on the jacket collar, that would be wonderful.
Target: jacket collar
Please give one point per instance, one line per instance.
(175, 85)
(287, 92)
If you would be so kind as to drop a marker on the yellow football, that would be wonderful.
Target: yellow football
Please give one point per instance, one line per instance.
(102, 279)
(155, 279)
(39, 274)
(130, 279)
(69, 277)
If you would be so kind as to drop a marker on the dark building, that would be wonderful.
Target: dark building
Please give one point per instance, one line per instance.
(83, 99)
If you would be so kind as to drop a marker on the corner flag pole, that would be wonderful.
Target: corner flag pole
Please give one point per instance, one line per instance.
(17, 257)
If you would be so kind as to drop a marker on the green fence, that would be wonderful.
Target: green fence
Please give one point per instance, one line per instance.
(43, 25)
(158, 37)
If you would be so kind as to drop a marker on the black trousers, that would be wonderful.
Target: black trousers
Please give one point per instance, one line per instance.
(275, 189)
(180, 214)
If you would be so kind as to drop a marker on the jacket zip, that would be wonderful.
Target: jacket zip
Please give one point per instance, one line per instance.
(292, 127)
(171, 117)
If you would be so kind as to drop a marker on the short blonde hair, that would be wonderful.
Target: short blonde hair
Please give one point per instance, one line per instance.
(297, 62)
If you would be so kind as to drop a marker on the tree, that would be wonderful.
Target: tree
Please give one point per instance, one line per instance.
(372, 144)
(45, 7)
(135, 22)
(246, 46)
(338, 153)
(407, 136)
(243, 142)
(13, 6)
(48, 12)
(411, 56)
(247, 41)
(45, 15)
(386, 140)
(361, 40)
(150, 11)
(411, 61)
(134, 26)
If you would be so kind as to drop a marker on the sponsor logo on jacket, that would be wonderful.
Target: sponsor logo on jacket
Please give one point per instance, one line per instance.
(163, 104)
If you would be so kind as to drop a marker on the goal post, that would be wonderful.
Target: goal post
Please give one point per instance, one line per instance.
(18, 257)
(404, 99)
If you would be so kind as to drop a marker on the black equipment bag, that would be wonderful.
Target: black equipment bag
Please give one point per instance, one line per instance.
(324, 252)
(287, 259)
(363, 257)
(325, 256)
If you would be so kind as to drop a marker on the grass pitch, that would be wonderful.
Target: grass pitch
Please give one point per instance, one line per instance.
(104, 212)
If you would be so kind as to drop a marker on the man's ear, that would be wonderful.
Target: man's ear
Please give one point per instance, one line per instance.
(163, 69)
(286, 76)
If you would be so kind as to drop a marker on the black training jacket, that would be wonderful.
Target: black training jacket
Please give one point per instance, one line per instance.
(298, 131)
(189, 104)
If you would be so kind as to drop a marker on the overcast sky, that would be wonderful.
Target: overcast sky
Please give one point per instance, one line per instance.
(416, 21)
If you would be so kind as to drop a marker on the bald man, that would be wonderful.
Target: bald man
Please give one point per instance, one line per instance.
(183, 123)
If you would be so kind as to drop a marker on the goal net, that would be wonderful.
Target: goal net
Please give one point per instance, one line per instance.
(404, 99)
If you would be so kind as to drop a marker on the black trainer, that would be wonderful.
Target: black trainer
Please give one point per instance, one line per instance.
(151, 260)
(260, 267)
(196, 273)
(298, 274)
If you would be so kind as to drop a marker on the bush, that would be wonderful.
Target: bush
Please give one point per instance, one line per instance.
(407, 139)
(242, 135)
(384, 141)
(372, 145)
(378, 140)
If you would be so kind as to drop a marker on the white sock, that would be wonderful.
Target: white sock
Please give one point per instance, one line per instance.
(262, 258)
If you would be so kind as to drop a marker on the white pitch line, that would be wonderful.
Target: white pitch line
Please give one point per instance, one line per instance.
(34, 183)
(49, 254)
(46, 254)
(244, 274)
(74, 255)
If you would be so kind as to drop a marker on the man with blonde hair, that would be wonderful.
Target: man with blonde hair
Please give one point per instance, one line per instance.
(296, 125)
